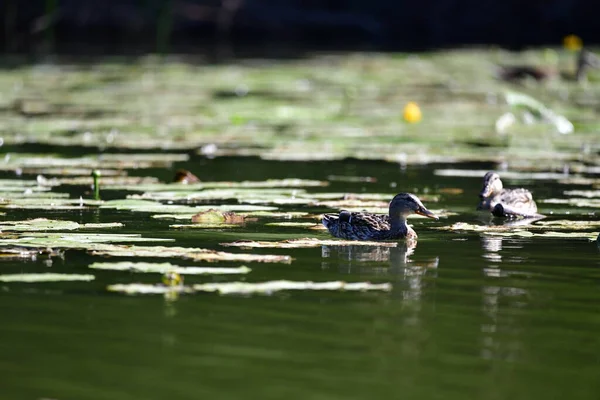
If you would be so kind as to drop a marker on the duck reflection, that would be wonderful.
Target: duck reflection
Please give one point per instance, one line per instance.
(492, 247)
(390, 259)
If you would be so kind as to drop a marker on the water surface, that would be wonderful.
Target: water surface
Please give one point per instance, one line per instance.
(469, 316)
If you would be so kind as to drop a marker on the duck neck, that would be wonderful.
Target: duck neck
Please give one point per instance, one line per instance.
(398, 223)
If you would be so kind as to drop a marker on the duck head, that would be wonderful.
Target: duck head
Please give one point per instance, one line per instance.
(404, 204)
(491, 184)
(585, 61)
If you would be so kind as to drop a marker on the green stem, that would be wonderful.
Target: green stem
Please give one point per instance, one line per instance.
(96, 176)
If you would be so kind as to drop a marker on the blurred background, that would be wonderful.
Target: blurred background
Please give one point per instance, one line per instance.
(286, 27)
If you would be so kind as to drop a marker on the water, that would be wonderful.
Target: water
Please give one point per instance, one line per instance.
(469, 316)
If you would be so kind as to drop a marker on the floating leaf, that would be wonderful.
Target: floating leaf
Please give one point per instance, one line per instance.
(33, 278)
(577, 202)
(193, 187)
(344, 178)
(85, 241)
(251, 288)
(21, 252)
(297, 224)
(43, 224)
(197, 254)
(479, 173)
(162, 268)
(204, 226)
(141, 288)
(305, 242)
(49, 204)
(523, 101)
(213, 216)
(583, 193)
(550, 234)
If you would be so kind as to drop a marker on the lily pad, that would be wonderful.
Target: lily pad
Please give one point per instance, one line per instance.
(141, 288)
(197, 254)
(577, 202)
(549, 234)
(251, 288)
(276, 286)
(192, 187)
(213, 216)
(43, 224)
(162, 268)
(49, 277)
(305, 242)
(84, 241)
(297, 224)
(479, 173)
(204, 226)
(583, 193)
(49, 204)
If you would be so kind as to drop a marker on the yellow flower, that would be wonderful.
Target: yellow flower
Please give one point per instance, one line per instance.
(412, 112)
(572, 42)
(172, 278)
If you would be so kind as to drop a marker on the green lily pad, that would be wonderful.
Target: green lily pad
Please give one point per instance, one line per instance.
(148, 206)
(204, 226)
(84, 241)
(49, 204)
(583, 193)
(162, 268)
(549, 234)
(576, 202)
(49, 277)
(197, 254)
(195, 187)
(142, 288)
(106, 182)
(479, 173)
(249, 196)
(43, 224)
(271, 214)
(251, 288)
(297, 224)
(305, 242)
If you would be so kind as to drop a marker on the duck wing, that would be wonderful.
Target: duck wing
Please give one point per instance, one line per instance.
(356, 225)
(514, 203)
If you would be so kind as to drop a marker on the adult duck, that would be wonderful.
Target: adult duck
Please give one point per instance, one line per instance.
(585, 61)
(366, 226)
(505, 202)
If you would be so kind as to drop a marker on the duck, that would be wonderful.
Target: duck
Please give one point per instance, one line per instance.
(365, 226)
(185, 177)
(515, 73)
(505, 202)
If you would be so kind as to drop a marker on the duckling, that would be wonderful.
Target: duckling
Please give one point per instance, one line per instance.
(186, 177)
(585, 61)
(366, 226)
(505, 202)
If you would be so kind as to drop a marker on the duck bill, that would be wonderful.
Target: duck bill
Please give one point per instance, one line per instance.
(426, 213)
(485, 192)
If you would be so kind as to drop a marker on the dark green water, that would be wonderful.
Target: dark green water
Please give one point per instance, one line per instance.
(469, 317)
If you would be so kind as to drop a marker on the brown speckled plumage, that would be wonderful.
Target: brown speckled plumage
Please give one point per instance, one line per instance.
(366, 226)
(505, 202)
